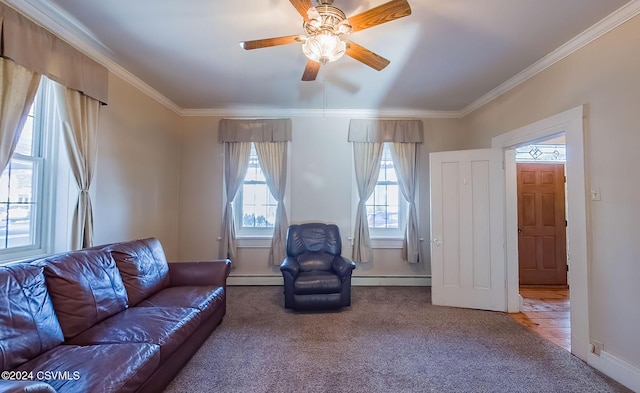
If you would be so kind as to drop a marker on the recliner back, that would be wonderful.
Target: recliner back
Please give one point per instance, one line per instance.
(314, 245)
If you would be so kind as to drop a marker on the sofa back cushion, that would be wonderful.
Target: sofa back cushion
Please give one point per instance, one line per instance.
(143, 267)
(28, 323)
(85, 288)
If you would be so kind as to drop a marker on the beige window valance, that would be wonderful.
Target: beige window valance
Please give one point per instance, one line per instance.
(39, 50)
(254, 130)
(376, 130)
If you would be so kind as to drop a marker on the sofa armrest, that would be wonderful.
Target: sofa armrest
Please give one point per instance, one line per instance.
(342, 266)
(291, 266)
(199, 273)
(25, 387)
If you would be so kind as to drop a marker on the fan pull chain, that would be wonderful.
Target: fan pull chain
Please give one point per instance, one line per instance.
(324, 96)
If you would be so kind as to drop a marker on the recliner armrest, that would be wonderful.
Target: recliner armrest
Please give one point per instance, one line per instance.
(199, 273)
(342, 266)
(290, 265)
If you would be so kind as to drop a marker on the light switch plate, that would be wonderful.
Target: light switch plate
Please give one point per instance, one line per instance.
(595, 194)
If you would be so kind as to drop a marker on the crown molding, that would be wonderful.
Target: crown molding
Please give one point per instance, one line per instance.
(59, 22)
(272, 112)
(596, 31)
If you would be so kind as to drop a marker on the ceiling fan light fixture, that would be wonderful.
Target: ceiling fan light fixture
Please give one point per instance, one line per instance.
(323, 30)
(313, 14)
(326, 18)
(324, 26)
(344, 27)
(324, 48)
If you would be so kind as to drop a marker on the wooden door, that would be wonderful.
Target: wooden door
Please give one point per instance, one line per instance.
(542, 244)
(467, 229)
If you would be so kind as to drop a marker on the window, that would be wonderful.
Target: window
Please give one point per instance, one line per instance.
(255, 207)
(23, 205)
(386, 207)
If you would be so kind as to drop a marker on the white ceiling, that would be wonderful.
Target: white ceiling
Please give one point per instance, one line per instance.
(444, 56)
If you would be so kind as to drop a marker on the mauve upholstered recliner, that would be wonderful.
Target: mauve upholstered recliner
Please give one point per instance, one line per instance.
(316, 276)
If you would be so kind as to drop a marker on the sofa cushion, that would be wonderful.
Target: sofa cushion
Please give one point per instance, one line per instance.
(167, 327)
(143, 267)
(207, 299)
(28, 323)
(96, 368)
(85, 287)
(317, 282)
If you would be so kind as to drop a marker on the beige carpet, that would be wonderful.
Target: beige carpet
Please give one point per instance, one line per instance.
(390, 340)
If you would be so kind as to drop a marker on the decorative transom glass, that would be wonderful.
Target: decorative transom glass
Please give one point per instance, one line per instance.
(541, 153)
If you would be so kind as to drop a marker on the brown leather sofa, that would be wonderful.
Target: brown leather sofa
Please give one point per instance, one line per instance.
(113, 318)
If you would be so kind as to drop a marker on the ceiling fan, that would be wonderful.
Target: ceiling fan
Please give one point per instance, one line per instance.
(324, 25)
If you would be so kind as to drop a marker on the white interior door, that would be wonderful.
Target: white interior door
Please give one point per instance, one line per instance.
(467, 229)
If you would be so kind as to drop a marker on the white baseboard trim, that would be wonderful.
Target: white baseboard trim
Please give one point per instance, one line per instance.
(391, 281)
(254, 279)
(623, 372)
(274, 279)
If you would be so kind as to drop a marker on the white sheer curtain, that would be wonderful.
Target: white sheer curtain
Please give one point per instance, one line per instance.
(236, 162)
(367, 158)
(18, 87)
(79, 116)
(273, 161)
(405, 160)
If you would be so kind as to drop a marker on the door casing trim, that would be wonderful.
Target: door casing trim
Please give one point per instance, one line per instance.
(570, 123)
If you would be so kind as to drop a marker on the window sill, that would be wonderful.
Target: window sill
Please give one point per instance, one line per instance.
(386, 242)
(254, 242)
(23, 256)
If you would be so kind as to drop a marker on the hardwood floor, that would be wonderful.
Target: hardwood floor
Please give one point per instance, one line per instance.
(545, 311)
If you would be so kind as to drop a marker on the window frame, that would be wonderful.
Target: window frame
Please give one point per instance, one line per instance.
(389, 233)
(44, 156)
(383, 238)
(256, 237)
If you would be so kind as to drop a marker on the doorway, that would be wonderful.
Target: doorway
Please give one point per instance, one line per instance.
(571, 123)
(542, 257)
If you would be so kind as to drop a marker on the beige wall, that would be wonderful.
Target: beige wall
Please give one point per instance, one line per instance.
(605, 76)
(137, 176)
(201, 193)
(320, 182)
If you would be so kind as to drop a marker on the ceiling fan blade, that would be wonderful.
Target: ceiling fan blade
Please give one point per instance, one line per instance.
(365, 56)
(267, 42)
(311, 71)
(302, 6)
(386, 12)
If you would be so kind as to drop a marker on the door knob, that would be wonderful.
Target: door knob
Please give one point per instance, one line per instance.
(436, 242)
(519, 230)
